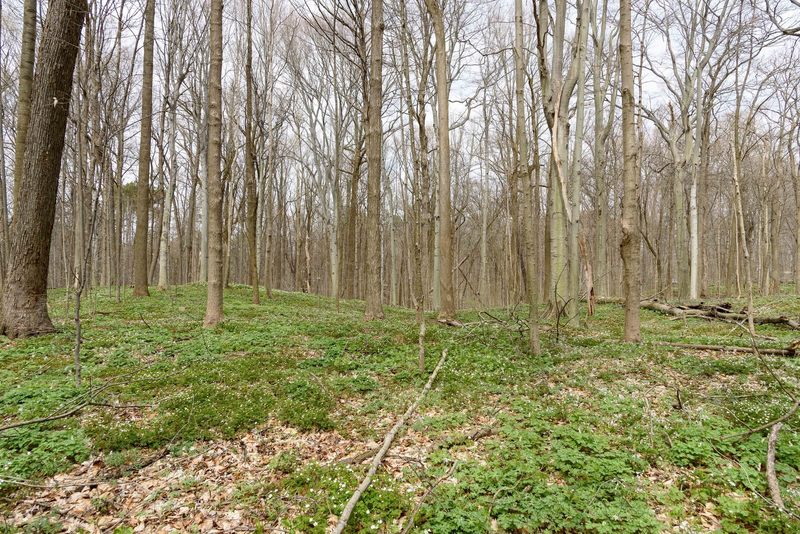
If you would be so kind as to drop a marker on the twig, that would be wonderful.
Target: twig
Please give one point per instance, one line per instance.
(55, 417)
(387, 442)
(45, 419)
(121, 406)
(772, 480)
(781, 419)
(424, 497)
(141, 316)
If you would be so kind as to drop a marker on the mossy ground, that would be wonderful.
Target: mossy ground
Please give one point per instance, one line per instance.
(588, 435)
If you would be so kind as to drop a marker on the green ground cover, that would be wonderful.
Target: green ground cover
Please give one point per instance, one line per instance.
(595, 435)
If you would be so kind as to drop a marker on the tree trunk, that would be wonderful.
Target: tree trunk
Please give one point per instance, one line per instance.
(483, 286)
(447, 307)
(26, 61)
(249, 162)
(796, 180)
(140, 256)
(523, 170)
(23, 311)
(601, 133)
(214, 181)
(694, 209)
(350, 272)
(374, 166)
(629, 246)
(4, 229)
(575, 193)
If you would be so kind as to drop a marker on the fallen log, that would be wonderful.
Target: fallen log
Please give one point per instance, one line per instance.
(772, 480)
(387, 443)
(721, 312)
(791, 350)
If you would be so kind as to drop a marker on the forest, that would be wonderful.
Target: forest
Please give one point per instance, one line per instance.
(424, 266)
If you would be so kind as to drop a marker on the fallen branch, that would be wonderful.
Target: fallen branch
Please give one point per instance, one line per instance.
(45, 419)
(791, 350)
(722, 312)
(779, 420)
(772, 480)
(358, 458)
(55, 417)
(476, 435)
(387, 443)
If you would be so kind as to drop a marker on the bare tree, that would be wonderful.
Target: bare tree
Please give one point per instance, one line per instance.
(792, 30)
(214, 181)
(140, 256)
(374, 166)
(630, 244)
(447, 308)
(523, 170)
(249, 161)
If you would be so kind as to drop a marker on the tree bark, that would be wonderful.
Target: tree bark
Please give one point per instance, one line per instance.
(796, 181)
(26, 62)
(447, 306)
(523, 170)
(214, 180)
(23, 311)
(249, 162)
(140, 256)
(629, 246)
(374, 166)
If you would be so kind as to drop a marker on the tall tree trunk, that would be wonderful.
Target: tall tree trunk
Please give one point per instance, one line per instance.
(374, 166)
(681, 235)
(694, 211)
(601, 133)
(249, 162)
(4, 229)
(531, 271)
(170, 102)
(143, 183)
(166, 217)
(447, 305)
(483, 286)
(629, 246)
(23, 311)
(78, 197)
(26, 61)
(575, 193)
(214, 181)
(796, 182)
(350, 272)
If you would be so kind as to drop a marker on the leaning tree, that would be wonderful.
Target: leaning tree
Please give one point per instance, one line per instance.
(23, 311)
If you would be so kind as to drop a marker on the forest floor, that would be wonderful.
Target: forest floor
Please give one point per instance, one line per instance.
(254, 425)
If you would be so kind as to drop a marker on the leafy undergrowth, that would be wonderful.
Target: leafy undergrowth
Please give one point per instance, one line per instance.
(246, 426)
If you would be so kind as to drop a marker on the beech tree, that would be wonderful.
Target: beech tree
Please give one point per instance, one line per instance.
(214, 181)
(629, 246)
(140, 257)
(447, 308)
(375, 165)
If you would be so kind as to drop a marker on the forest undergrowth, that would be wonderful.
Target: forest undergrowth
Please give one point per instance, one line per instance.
(267, 421)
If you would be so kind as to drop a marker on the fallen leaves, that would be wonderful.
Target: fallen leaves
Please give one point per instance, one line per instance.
(197, 488)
